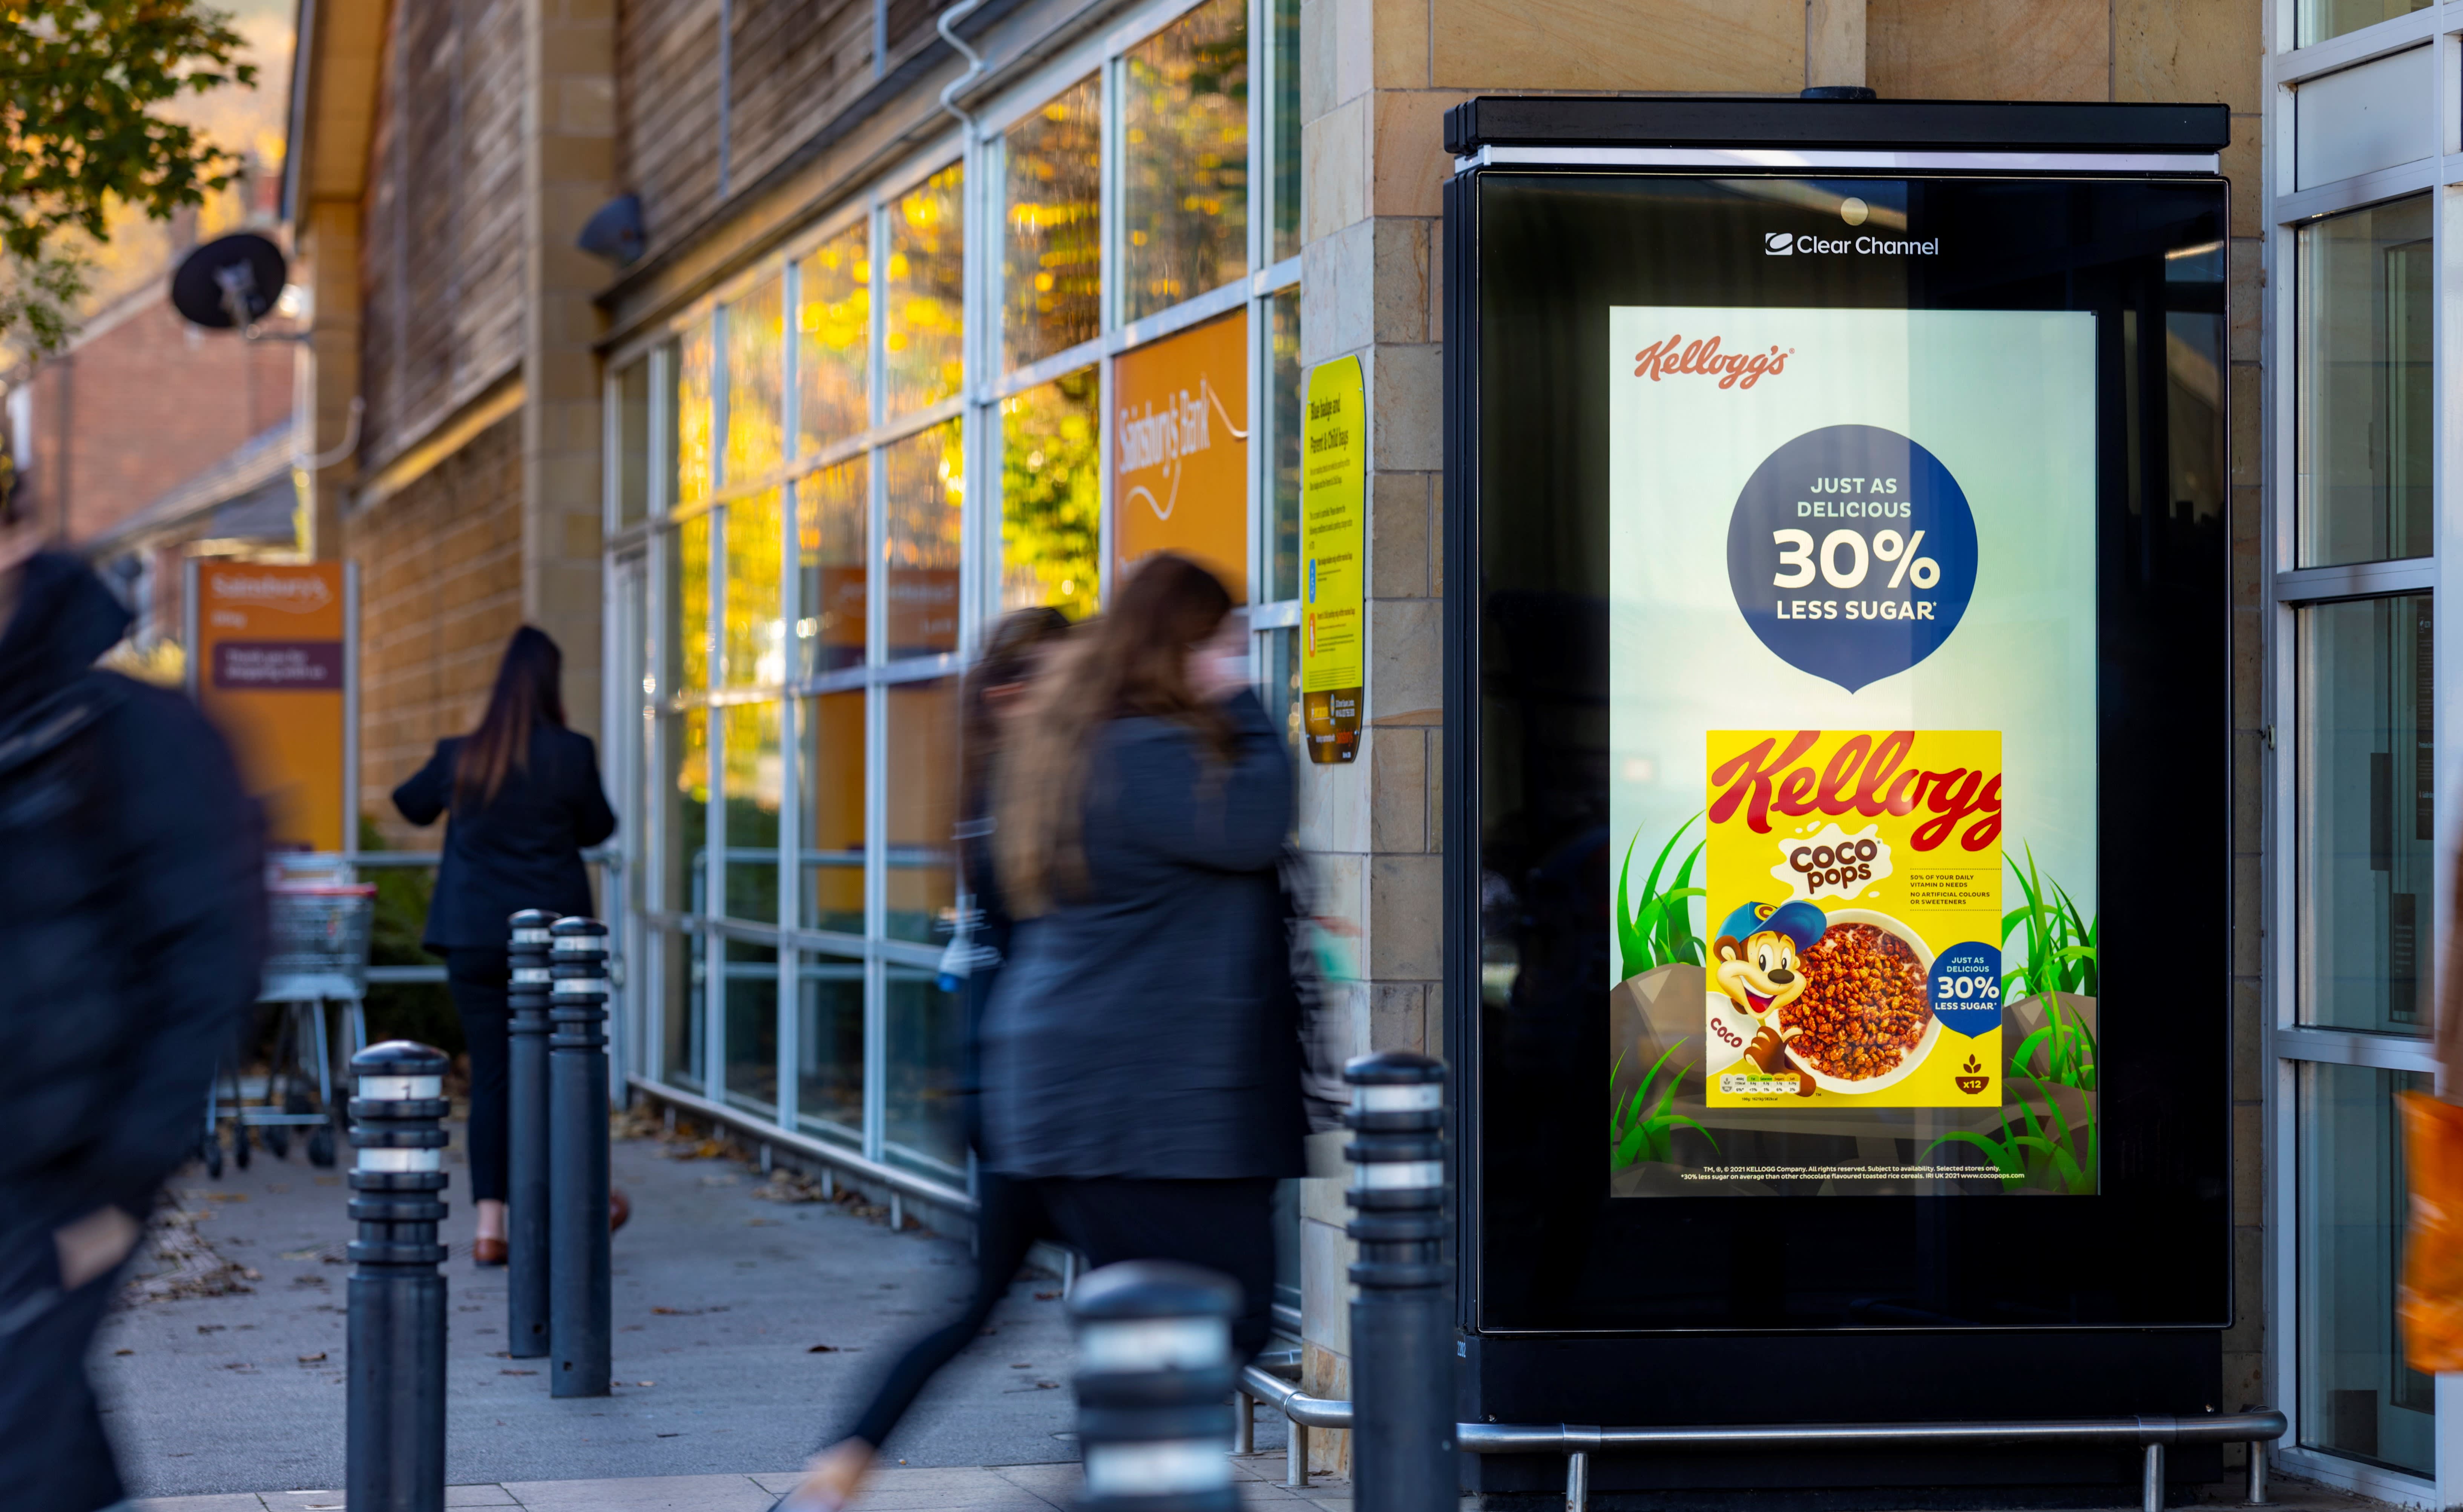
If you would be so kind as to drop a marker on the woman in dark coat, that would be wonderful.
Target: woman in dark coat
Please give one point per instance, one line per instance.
(1141, 1060)
(524, 796)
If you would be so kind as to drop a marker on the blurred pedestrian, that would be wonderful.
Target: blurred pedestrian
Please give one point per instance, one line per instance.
(132, 927)
(1008, 1221)
(1143, 1060)
(524, 797)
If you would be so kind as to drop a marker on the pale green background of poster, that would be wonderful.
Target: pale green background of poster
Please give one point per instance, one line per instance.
(2006, 401)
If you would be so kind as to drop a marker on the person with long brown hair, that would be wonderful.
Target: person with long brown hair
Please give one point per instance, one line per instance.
(524, 797)
(1141, 1051)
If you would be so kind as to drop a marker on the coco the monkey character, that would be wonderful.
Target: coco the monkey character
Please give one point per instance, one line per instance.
(1756, 952)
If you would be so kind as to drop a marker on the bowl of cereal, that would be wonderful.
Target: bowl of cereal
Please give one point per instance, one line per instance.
(1865, 1019)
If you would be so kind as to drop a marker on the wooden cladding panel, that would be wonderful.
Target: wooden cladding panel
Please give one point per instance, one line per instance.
(667, 63)
(794, 64)
(441, 257)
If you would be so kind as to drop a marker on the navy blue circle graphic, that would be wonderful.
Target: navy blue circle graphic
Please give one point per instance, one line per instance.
(1966, 988)
(1852, 553)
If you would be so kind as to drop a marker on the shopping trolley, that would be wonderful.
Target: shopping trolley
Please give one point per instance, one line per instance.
(318, 921)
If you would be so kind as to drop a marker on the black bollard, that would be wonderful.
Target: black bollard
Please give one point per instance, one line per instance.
(1402, 1354)
(579, 1290)
(394, 1438)
(526, 1308)
(1154, 1378)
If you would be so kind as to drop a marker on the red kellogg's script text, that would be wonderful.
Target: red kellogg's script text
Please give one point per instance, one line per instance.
(1733, 369)
(1863, 777)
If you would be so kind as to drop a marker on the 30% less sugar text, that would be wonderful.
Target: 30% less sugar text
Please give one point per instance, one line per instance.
(1843, 559)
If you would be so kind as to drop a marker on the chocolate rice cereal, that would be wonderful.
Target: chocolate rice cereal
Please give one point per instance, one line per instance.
(1864, 1006)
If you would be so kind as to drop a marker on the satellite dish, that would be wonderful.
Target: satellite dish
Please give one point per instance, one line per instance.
(230, 283)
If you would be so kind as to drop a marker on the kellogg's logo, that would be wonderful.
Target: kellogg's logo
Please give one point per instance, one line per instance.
(1704, 358)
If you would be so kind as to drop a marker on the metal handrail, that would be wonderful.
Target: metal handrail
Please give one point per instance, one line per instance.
(1578, 1442)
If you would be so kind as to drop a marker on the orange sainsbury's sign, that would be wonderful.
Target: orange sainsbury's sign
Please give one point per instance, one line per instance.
(1179, 451)
(267, 664)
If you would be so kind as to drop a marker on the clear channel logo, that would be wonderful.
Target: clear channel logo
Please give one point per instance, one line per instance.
(1854, 212)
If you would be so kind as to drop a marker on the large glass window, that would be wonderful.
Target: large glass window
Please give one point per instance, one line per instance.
(1287, 130)
(2320, 19)
(1284, 353)
(1052, 494)
(926, 475)
(696, 417)
(833, 776)
(829, 1047)
(922, 772)
(2365, 452)
(834, 339)
(1052, 280)
(685, 818)
(928, 279)
(926, 1042)
(631, 485)
(2367, 795)
(833, 510)
(1185, 189)
(749, 800)
(751, 638)
(2358, 1396)
(756, 383)
(688, 608)
(752, 1014)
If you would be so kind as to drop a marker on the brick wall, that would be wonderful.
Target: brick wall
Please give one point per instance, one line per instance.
(439, 592)
(141, 405)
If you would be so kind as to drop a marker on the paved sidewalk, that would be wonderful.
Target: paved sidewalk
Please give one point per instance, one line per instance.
(1001, 1489)
(720, 1300)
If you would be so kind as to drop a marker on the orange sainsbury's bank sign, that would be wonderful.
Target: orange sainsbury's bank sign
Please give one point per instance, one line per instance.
(268, 666)
(1180, 431)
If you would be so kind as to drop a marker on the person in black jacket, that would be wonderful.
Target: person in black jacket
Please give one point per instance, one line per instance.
(132, 925)
(1141, 1051)
(524, 796)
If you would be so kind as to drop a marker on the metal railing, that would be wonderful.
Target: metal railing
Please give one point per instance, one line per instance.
(2152, 1434)
(608, 858)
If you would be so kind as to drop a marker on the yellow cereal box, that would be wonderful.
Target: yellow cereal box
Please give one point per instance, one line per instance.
(1854, 882)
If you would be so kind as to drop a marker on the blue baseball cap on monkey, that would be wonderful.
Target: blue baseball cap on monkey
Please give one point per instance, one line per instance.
(1799, 920)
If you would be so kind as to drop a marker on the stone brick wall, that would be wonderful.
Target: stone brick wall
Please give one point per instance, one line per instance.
(440, 592)
(140, 404)
(1376, 78)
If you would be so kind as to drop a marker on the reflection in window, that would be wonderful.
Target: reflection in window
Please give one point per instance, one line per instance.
(756, 383)
(927, 489)
(1185, 194)
(2321, 19)
(695, 372)
(752, 643)
(1287, 130)
(922, 769)
(833, 330)
(829, 1047)
(680, 1015)
(1051, 461)
(925, 357)
(754, 780)
(1284, 374)
(2363, 449)
(2367, 795)
(924, 1124)
(833, 796)
(2358, 1396)
(1281, 689)
(832, 511)
(688, 609)
(752, 1025)
(633, 443)
(684, 743)
(1051, 277)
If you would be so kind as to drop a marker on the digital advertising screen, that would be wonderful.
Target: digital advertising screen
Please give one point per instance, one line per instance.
(1842, 750)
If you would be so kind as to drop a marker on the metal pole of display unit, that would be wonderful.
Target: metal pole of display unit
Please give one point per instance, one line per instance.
(580, 1291)
(394, 1431)
(526, 1304)
(1402, 1362)
(1154, 1378)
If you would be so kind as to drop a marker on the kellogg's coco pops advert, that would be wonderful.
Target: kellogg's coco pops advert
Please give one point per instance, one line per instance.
(1852, 795)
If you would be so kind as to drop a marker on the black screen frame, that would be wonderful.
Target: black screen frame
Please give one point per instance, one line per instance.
(2160, 1255)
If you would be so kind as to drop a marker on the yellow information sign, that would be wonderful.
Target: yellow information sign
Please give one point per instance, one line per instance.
(1333, 552)
(267, 664)
(1855, 904)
